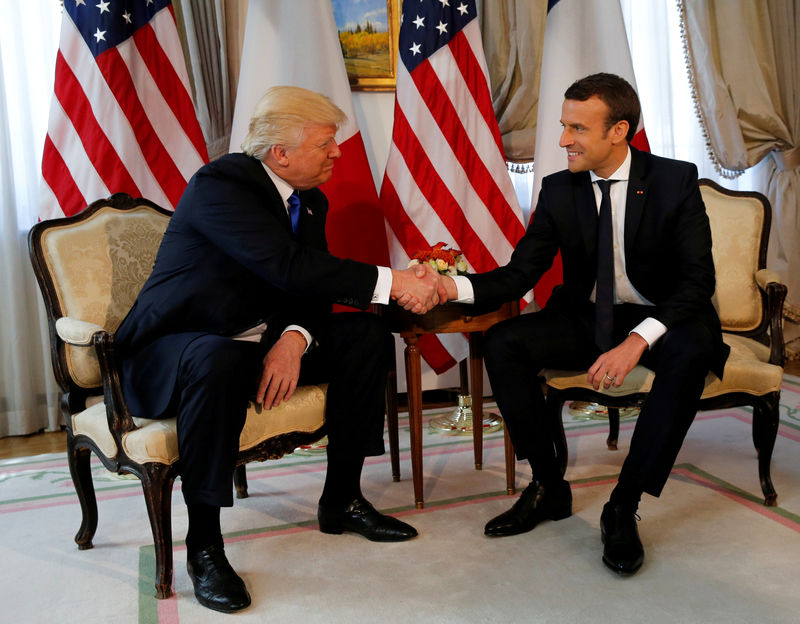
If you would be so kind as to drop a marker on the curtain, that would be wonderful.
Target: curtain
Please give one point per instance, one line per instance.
(202, 26)
(29, 396)
(513, 34)
(744, 60)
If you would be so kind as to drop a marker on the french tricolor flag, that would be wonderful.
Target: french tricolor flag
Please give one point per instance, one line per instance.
(295, 42)
(581, 38)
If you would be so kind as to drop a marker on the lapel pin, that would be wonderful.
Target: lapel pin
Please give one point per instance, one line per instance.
(640, 192)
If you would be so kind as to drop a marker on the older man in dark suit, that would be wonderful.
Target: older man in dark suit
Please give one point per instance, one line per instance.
(638, 277)
(239, 305)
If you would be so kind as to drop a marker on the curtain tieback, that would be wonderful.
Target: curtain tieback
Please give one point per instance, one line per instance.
(787, 159)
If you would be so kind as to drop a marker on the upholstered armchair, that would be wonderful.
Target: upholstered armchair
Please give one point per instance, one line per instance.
(90, 268)
(749, 299)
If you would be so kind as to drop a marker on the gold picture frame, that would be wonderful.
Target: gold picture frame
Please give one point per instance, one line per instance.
(370, 53)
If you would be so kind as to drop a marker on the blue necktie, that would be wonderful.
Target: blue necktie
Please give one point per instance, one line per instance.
(294, 211)
(604, 294)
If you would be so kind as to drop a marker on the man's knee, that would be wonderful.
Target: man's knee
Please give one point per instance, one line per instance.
(689, 341)
(500, 340)
(216, 360)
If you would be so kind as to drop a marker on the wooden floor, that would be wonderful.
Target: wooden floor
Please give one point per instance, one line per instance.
(38, 443)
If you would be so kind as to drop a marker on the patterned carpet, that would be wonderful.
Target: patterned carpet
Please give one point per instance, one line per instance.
(713, 552)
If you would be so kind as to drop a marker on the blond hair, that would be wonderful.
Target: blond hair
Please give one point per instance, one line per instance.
(281, 115)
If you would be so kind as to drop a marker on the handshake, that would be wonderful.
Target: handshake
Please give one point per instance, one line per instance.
(420, 288)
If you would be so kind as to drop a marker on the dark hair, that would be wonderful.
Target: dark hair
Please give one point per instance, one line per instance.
(615, 92)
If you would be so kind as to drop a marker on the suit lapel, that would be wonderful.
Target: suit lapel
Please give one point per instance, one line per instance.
(634, 202)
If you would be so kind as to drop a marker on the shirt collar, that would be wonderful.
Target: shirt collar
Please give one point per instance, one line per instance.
(623, 172)
(284, 188)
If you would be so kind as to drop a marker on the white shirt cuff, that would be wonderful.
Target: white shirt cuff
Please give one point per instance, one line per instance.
(383, 287)
(303, 331)
(651, 330)
(466, 294)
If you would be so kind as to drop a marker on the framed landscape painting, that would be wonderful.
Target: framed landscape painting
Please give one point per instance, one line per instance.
(368, 31)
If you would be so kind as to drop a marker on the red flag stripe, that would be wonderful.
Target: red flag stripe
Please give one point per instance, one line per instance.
(98, 148)
(439, 196)
(116, 73)
(58, 178)
(476, 81)
(403, 227)
(435, 354)
(160, 114)
(453, 131)
(169, 84)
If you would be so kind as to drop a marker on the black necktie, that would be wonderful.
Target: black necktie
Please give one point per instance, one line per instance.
(604, 294)
(294, 210)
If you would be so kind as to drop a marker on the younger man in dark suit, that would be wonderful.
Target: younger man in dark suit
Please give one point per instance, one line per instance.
(239, 305)
(638, 278)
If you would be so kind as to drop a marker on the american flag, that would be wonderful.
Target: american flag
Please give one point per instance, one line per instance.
(446, 178)
(122, 118)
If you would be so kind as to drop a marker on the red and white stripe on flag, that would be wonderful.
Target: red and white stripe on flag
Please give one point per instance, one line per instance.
(122, 117)
(581, 38)
(313, 61)
(446, 178)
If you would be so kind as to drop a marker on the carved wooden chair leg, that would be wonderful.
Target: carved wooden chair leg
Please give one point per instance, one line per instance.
(240, 481)
(766, 417)
(157, 481)
(613, 428)
(78, 459)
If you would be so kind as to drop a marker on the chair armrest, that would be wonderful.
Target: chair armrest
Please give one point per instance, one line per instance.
(120, 420)
(764, 277)
(770, 282)
(76, 332)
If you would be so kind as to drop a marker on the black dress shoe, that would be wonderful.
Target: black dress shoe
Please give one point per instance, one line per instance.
(362, 518)
(622, 549)
(536, 503)
(216, 585)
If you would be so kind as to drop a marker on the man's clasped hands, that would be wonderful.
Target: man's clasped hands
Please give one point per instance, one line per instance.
(420, 288)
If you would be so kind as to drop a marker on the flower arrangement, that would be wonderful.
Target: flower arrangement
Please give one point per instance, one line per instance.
(445, 261)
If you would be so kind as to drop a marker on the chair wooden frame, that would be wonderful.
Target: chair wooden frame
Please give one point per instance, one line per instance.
(157, 479)
(765, 407)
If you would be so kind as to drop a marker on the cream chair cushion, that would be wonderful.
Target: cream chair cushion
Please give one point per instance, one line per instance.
(157, 440)
(98, 283)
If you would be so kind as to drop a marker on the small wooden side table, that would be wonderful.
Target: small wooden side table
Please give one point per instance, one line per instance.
(445, 319)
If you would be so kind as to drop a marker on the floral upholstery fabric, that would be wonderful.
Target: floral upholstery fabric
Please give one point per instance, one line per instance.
(99, 266)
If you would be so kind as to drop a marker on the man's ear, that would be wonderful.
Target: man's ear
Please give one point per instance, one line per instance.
(620, 131)
(279, 155)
